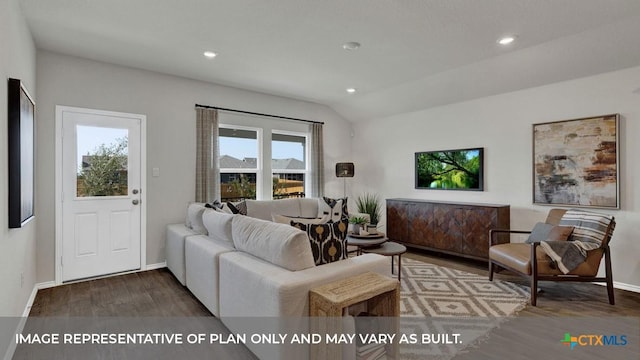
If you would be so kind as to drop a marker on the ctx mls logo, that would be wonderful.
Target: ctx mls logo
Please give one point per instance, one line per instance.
(593, 340)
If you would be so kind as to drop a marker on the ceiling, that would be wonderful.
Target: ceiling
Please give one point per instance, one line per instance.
(415, 54)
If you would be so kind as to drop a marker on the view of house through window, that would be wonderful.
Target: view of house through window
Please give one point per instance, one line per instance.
(288, 165)
(239, 166)
(242, 166)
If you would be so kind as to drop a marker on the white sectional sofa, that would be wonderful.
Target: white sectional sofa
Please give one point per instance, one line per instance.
(248, 266)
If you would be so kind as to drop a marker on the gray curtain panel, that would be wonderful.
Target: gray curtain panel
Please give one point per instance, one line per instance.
(317, 161)
(207, 154)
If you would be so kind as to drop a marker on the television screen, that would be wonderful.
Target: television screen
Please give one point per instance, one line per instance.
(450, 169)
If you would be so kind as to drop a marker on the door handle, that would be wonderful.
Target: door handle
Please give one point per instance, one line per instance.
(135, 201)
(134, 191)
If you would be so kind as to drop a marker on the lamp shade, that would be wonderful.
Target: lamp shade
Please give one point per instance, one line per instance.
(344, 169)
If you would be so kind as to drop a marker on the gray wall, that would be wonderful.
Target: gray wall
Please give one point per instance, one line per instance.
(17, 246)
(168, 102)
(502, 124)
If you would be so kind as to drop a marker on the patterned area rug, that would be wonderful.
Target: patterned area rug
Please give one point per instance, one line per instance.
(431, 290)
(440, 300)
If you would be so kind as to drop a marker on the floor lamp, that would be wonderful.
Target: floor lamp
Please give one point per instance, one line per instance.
(344, 170)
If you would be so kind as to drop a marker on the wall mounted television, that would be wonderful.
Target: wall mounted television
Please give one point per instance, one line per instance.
(460, 169)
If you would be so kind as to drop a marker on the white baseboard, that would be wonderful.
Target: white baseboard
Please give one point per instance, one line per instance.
(12, 345)
(27, 309)
(157, 266)
(622, 286)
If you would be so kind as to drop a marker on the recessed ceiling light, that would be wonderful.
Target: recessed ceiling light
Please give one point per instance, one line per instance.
(506, 40)
(351, 90)
(210, 54)
(351, 45)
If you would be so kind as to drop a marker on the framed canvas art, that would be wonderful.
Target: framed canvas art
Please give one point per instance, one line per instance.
(21, 112)
(576, 162)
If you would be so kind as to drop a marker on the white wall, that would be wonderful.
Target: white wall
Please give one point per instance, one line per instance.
(17, 246)
(168, 102)
(384, 150)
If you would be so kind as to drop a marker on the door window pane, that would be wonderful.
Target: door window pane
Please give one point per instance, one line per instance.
(102, 161)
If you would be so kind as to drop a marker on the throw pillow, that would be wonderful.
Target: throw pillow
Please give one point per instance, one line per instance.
(218, 225)
(547, 232)
(216, 205)
(335, 209)
(283, 219)
(560, 233)
(193, 220)
(238, 208)
(328, 241)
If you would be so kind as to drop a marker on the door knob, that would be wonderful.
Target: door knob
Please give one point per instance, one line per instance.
(135, 201)
(134, 191)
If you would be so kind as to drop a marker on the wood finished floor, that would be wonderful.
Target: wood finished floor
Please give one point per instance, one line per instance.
(147, 293)
(158, 293)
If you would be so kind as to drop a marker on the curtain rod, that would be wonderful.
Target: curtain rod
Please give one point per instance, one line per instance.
(259, 114)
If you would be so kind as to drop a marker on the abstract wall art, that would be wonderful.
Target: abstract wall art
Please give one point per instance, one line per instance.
(21, 112)
(576, 162)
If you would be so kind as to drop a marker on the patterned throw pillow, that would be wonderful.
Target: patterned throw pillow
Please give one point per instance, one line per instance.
(335, 209)
(238, 208)
(215, 205)
(328, 241)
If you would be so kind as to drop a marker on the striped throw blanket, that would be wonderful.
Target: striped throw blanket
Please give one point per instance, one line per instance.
(588, 233)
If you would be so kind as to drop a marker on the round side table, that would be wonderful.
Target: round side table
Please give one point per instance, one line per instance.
(389, 248)
(364, 243)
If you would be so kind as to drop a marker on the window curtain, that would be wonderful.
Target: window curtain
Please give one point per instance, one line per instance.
(317, 161)
(207, 154)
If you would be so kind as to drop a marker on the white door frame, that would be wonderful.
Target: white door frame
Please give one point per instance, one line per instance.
(59, 185)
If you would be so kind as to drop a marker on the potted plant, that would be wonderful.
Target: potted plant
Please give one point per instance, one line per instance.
(358, 222)
(370, 204)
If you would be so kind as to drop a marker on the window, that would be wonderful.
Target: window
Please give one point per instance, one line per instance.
(288, 164)
(240, 165)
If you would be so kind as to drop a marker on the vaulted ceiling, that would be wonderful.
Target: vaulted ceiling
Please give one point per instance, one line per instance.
(414, 54)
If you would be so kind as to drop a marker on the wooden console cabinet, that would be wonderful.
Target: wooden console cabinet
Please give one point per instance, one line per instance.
(452, 228)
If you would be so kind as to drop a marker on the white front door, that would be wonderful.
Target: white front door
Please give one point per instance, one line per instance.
(101, 178)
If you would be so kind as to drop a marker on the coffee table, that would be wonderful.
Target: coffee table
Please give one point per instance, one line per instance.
(389, 248)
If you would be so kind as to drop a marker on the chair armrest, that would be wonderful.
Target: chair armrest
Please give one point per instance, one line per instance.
(502, 231)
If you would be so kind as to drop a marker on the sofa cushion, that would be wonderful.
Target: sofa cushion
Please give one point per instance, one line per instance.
(336, 209)
(547, 232)
(218, 225)
(262, 209)
(278, 244)
(202, 270)
(308, 207)
(283, 219)
(328, 241)
(193, 220)
(174, 249)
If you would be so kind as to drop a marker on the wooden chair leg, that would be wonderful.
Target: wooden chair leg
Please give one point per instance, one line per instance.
(534, 289)
(607, 264)
(534, 275)
(490, 270)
